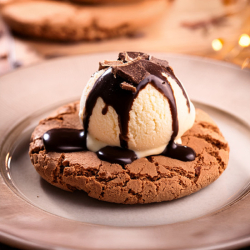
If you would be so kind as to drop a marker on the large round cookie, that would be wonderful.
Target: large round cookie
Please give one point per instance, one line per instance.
(65, 21)
(146, 180)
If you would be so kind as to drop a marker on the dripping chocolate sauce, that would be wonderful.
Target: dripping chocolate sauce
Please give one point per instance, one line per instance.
(108, 88)
(64, 140)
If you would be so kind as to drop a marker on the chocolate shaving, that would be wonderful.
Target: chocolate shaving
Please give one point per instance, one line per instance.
(170, 69)
(130, 56)
(162, 63)
(105, 64)
(125, 57)
(128, 86)
(133, 72)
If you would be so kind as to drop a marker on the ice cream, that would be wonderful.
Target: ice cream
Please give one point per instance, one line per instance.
(137, 104)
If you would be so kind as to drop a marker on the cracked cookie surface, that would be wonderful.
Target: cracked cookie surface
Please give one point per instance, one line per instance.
(146, 180)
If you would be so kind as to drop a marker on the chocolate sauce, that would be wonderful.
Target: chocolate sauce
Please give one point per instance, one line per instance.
(105, 109)
(179, 152)
(156, 69)
(116, 155)
(64, 140)
(108, 87)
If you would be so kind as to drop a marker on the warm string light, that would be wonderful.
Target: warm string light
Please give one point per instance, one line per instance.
(244, 40)
(217, 44)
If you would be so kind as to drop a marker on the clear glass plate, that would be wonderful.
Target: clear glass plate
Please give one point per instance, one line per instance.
(34, 213)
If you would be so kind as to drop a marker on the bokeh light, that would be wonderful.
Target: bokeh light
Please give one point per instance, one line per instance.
(217, 44)
(244, 40)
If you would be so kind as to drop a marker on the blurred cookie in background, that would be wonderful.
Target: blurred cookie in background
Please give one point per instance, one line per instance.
(68, 22)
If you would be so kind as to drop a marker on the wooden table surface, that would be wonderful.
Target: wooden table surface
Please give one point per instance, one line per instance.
(187, 27)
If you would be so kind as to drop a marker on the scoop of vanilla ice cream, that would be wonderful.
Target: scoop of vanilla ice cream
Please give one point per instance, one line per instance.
(150, 120)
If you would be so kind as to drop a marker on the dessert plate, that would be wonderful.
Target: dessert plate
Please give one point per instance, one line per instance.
(34, 214)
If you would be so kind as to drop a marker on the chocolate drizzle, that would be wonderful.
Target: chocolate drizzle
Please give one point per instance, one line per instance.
(108, 88)
(116, 155)
(118, 86)
(64, 140)
(105, 109)
(179, 152)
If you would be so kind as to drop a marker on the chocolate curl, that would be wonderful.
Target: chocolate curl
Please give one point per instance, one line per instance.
(105, 64)
(128, 86)
(160, 62)
(133, 72)
(130, 56)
